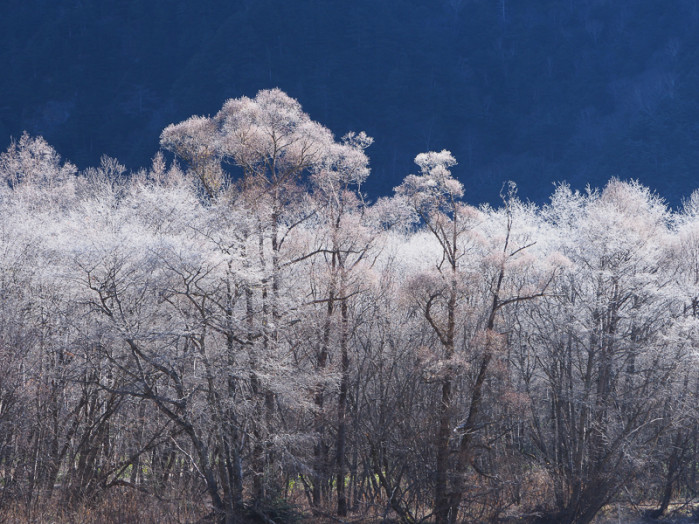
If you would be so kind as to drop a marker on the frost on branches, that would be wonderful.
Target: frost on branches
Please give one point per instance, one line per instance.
(240, 320)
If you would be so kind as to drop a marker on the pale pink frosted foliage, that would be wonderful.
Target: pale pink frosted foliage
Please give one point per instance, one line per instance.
(436, 164)
(270, 136)
(392, 213)
(434, 187)
(197, 141)
(343, 164)
(690, 206)
(216, 307)
(683, 259)
(627, 223)
(161, 174)
(617, 247)
(434, 168)
(32, 161)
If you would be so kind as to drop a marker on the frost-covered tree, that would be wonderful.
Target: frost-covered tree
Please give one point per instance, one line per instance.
(346, 235)
(250, 327)
(275, 145)
(435, 197)
(603, 345)
(32, 161)
(472, 278)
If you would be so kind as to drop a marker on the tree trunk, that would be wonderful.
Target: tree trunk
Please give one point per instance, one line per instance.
(342, 414)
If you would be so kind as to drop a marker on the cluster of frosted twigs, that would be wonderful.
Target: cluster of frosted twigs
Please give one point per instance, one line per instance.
(240, 321)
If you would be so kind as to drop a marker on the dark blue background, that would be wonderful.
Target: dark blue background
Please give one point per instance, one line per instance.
(534, 91)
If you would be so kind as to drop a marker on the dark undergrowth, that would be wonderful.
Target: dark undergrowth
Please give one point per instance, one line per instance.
(118, 507)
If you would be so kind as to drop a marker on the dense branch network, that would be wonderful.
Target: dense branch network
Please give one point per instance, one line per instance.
(243, 322)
